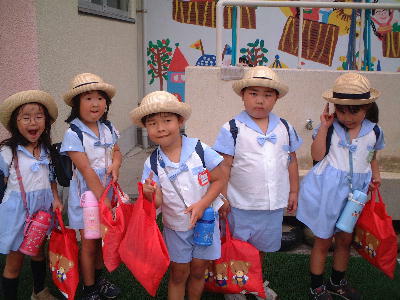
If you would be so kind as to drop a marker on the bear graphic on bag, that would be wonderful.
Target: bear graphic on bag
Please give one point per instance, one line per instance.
(60, 264)
(221, 274)
(208, 273)
(240, 269)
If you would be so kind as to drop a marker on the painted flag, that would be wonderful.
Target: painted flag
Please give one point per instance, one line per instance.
(196, 45)
(228, 50)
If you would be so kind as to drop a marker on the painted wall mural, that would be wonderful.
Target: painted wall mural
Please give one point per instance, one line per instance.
(267, 36)
(202, 12)
(319, 40)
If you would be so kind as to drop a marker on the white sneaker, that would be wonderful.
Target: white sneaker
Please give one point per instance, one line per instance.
(234, 297)
(271, 294)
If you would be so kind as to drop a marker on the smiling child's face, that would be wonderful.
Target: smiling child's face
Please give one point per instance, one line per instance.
(31, 121)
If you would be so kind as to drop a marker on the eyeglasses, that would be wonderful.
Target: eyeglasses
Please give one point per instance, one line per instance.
(26, 119)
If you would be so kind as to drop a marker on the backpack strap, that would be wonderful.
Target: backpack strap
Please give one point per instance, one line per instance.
(153, 157)
(200, 152)
(153, 162)
(234, 130)
(287, 129)
(77, 130)
(108, 124)
(328, 139)
(377, 131)
(327, 143)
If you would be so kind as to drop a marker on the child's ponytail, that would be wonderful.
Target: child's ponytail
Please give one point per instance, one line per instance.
(373, 113)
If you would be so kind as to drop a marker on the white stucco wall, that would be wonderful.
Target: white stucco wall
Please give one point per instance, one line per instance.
(72, 43)
(214, 103)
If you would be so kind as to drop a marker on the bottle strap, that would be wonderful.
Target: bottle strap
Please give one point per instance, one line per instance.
(162, 164)
(21, 185)
(350, 177)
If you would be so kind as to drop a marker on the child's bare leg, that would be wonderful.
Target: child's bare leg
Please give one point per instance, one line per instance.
(88, 260)
(178, 276)
(318, 255)
(342, 251)
(14, 262)
(196, 278)
(99, 255)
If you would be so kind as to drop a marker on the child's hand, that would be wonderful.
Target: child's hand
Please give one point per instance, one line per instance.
(107, 203)
(113, 170)
(149, 187)
(375, 183)
(57, 205)
(196, 210)
(224, 209)
(292, 203)
(326, 118)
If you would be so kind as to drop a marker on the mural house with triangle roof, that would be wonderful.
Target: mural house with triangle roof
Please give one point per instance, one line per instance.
(176, 74)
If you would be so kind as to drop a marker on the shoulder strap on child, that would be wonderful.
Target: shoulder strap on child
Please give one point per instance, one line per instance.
(153, 162)
(377, 131)
(287, 129)
(328, 139)
(153, 157)
(200, 152)
(327, 143)
(234, 130)
(77, 130)
(108, 124)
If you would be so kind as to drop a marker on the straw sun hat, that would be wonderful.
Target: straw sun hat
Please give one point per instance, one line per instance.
(351, 89)
(159, 101)
(260, 76)
(86, 82)
(18, 99)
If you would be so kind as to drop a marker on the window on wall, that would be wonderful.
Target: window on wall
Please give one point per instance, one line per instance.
(115, 9)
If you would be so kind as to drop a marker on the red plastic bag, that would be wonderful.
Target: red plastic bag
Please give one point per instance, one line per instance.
(63, 256)
(143, 249)
(238, 271)
(375, 238)
(113, 225)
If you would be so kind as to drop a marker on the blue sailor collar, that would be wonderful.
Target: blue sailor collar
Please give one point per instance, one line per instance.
(43, 152)
(366, 127)
(188, 146)
(43, 157)
(87, 130)
(273, 121)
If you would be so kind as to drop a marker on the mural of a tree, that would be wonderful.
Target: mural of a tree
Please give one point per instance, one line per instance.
(160, 55)
(255, 53)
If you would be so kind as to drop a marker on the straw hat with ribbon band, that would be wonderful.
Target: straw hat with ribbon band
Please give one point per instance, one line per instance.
(260, 76)
(21, 98)
(159, 101)
(86, 82)
(351, 89)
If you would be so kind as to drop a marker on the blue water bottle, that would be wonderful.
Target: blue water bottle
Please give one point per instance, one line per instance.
(351, 211)
(204, 228)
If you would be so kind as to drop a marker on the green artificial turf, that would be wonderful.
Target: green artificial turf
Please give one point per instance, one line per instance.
(287, 273)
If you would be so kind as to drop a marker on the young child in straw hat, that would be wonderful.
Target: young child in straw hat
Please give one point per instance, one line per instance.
(97, 159)
(325, 189)
(260, 161)
(178, 165)
(28, 116)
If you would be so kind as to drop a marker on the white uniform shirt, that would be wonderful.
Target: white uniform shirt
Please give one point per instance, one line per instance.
(186, 181)
(259, 178)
